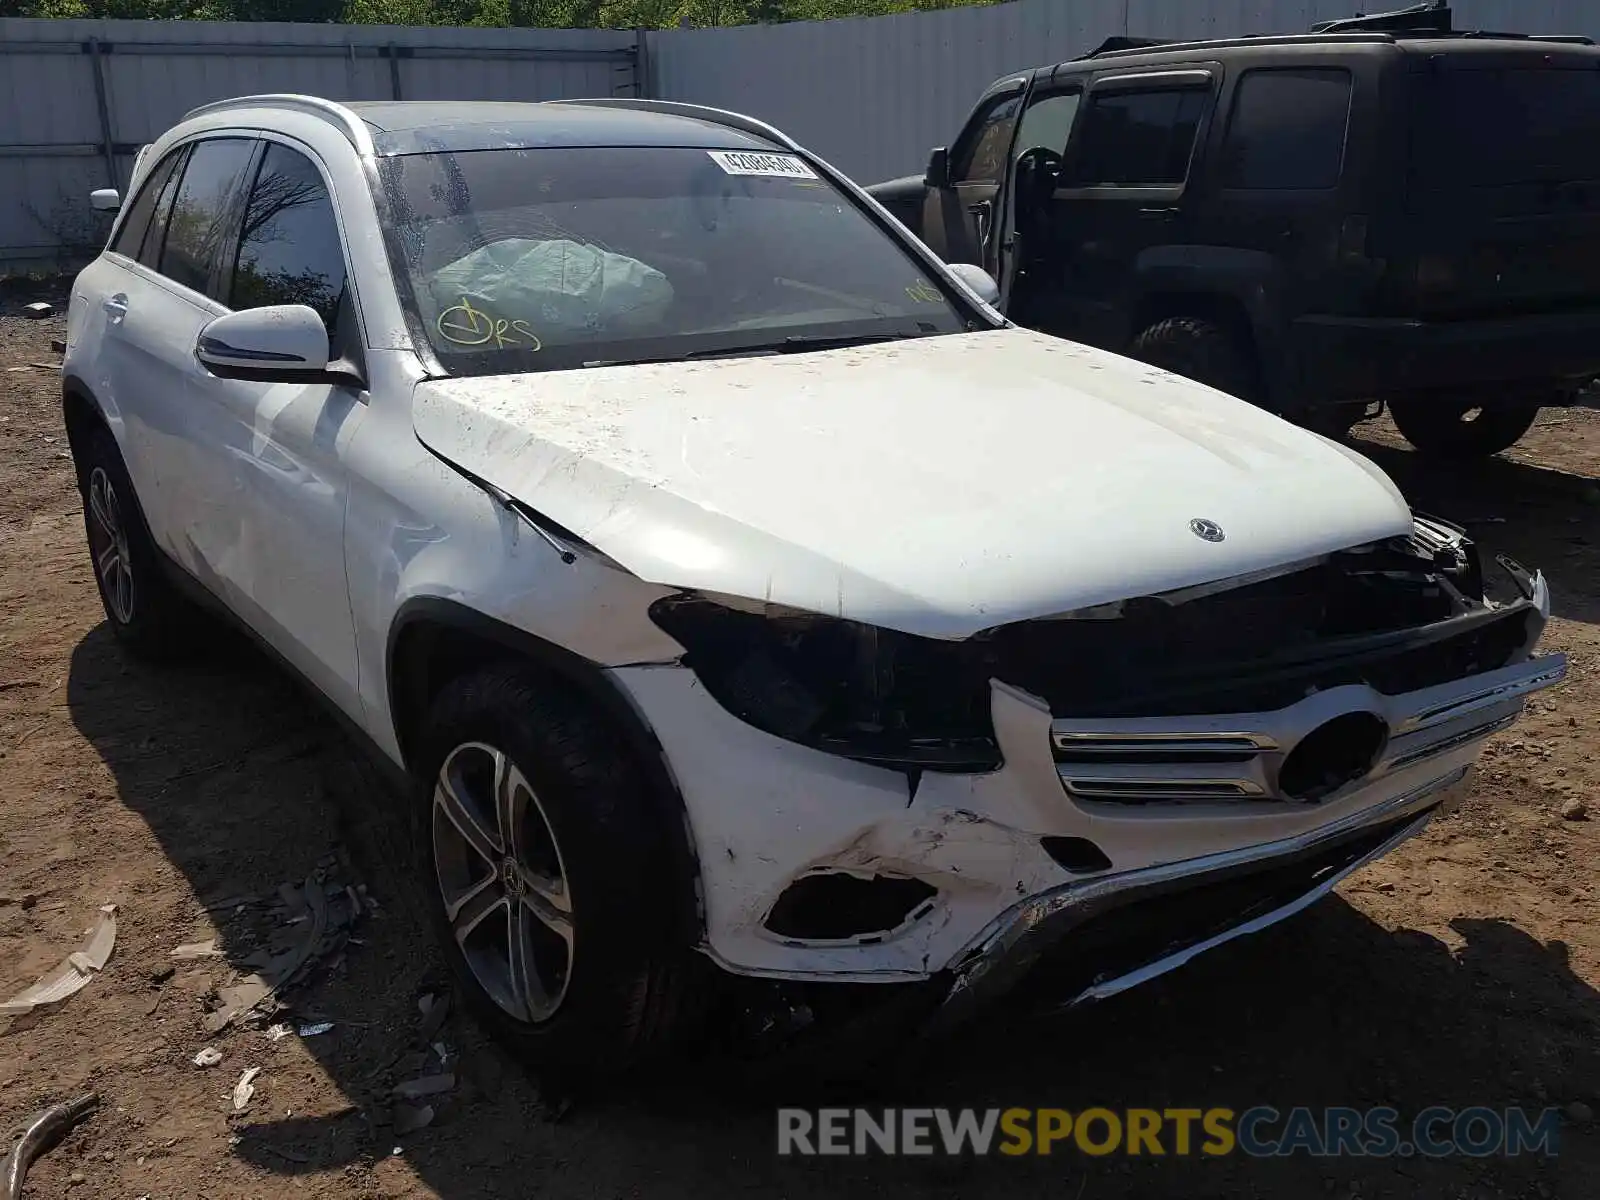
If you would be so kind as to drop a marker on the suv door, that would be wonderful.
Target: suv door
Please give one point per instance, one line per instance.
(1284, 194)
(958, 217)
(1123, 189)
(1049, 115)
(266, 511)
(117, 349)
(152, 292)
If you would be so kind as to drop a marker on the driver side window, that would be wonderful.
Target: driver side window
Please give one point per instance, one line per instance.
(1047, 125)
(981, 155)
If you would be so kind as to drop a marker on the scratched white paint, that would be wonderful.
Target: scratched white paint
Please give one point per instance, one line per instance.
(938, 486)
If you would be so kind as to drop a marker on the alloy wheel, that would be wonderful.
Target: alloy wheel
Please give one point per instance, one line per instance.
(108, 543)
(502, 881)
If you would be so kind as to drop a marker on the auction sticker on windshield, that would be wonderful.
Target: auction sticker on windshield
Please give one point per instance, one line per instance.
(778, 166)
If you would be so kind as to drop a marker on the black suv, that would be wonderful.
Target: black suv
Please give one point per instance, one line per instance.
(1383, 210)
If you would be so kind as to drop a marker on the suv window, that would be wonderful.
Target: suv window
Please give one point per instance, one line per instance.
(289, 247)
(1504, 127)
(1048, 123)
(200, 230)
(1288, 129)
(131, 233)
(981, 158)
(1137, 138)
(156, 236)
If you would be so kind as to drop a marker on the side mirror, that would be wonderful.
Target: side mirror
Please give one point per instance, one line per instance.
(938, 172)
(279, 343)
(977, 280)
(105, 200)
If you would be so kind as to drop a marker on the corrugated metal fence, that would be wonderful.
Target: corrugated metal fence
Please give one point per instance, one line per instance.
(82, 96)
(873, 95)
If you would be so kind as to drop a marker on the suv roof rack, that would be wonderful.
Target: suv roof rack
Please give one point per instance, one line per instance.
(1433, 17)
(1255, 39)
(1113, 44)
(352, 126)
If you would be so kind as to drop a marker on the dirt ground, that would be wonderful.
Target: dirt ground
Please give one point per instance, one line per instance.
(1463, 970)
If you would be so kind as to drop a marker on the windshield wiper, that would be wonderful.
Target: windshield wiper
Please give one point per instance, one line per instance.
(794, 344)
(736, 352)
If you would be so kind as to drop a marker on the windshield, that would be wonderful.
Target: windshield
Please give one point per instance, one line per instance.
(548, 259)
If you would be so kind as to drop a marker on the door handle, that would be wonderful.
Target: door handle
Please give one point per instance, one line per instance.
(982, 215)
(116, 307)
(1158, 214)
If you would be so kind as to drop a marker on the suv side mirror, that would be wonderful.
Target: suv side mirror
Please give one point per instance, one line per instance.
(105, 200)
(978, 281)
(282, 343)
(938, 172)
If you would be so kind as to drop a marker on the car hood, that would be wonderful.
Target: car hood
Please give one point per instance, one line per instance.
(938, 486)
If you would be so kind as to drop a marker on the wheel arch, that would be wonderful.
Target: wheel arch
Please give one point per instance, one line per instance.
(433, 640)
(1243, 289)
(80, 412)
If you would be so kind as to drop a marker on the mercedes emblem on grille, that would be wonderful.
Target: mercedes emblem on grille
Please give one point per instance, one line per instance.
(1205, 530)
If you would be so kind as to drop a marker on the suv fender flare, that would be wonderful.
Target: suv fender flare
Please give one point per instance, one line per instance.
(1252, 280)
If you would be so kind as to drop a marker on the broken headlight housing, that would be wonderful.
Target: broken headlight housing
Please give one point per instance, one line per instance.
(871, 694)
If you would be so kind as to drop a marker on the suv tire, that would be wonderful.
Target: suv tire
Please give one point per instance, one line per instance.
(572, 959)
(149, 616)
(1202, 350)
(1458, 429)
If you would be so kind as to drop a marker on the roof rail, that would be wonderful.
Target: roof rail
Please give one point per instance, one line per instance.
(352, 126)
(717, 116)
(1564, 39)
(1271, 39)
(1432, 17)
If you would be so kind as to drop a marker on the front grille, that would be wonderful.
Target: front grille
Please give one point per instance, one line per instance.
(1306, 753)
(1129, 767)
(1181, 662)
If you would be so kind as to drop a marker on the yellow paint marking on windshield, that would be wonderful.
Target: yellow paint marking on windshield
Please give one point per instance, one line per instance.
(463, 325)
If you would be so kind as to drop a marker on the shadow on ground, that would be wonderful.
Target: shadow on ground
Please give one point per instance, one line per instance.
(246, 785)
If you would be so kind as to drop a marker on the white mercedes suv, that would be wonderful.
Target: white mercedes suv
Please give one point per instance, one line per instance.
(731, 586)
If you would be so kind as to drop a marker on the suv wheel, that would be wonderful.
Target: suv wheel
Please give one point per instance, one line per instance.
(1461, 429)
(147, 614)
(549, 885)
(1204, 351)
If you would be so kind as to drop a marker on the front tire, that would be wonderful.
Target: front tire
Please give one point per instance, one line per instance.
(1202, 350)
(149, 617)
(1461, 429)
(551, 883)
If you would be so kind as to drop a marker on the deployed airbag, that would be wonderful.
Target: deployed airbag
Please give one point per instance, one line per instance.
(557, 288)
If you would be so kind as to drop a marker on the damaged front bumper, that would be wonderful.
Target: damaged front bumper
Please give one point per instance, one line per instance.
(1207, 902)
(1101, 853)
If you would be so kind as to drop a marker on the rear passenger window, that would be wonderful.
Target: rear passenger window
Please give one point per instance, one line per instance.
(156, 236)
(130, 234)
(1288, 129)
(1137, 139)
(202, 226)
(289, 248)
